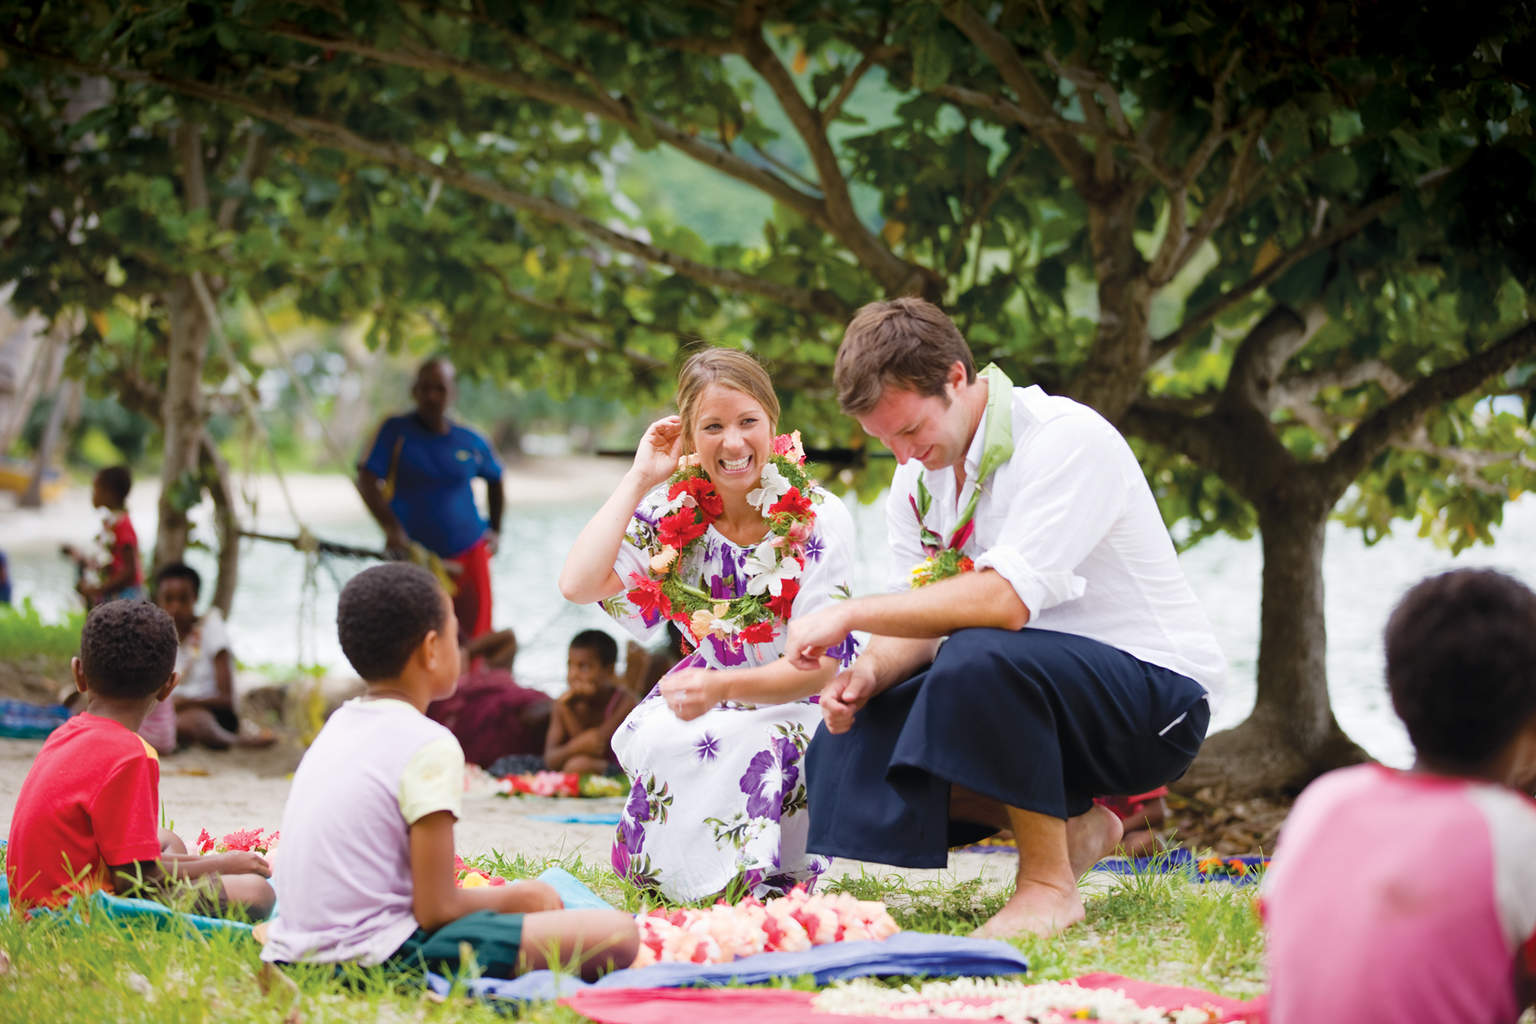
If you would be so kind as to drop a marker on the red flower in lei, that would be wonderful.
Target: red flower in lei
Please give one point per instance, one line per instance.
(681, 528)
(794, 503)
(781, 605)
(703, 492)
(648, 597)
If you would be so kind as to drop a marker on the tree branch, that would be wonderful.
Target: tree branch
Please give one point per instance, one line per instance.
(1399, 418)
(620, 112)
(256, 150)
(1294, 389)
(1197, 321)
(896, 275)
(1470, 463)
(1263, 353)
(835, 104)
(325, 133)
(1054, 130)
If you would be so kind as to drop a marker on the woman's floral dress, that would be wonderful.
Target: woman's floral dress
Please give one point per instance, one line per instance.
(719, 802)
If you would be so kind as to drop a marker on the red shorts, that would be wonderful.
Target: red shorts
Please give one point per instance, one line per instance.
(472, 599)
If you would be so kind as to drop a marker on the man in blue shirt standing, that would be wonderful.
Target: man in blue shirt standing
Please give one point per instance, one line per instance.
(416, 480)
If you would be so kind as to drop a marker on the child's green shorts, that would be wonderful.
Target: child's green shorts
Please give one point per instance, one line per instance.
(492, 939)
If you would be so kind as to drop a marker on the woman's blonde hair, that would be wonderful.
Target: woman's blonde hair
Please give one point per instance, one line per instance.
(730, 368)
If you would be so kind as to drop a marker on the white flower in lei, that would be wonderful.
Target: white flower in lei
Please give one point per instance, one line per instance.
(772, 487)
(767, 567)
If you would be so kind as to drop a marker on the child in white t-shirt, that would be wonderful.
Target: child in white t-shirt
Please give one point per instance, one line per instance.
(205, 699)
(368, 852)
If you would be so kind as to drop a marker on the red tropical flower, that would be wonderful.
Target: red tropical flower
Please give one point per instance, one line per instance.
(782, 604)
(646, 595)
(703, 492)
(793, 502)
(758, 633)
(680, 529)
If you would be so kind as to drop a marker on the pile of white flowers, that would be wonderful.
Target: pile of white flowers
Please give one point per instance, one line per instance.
(1047, 1002)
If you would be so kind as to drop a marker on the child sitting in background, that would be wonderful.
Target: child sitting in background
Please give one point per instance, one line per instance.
(204, 702)
(368, 853)
(590, 711)
(1410, 896)
(86, 817)
(112, 571)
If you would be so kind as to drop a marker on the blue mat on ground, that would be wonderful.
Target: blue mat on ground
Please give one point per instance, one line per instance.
(573, 891)
(147, 911)
(20, 720)
(1180, 861)
(579, 819)
(576, 896)
(915, 954)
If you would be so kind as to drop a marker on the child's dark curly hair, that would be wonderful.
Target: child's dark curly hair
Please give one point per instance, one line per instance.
(603, 647)
(384, 613)
(127, 649)
(1461, 665)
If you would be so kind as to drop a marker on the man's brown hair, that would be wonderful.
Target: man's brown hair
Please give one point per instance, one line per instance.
(907, 343)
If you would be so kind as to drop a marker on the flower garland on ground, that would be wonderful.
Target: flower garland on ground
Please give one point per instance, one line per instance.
(785, 498)
(250, 840)
(560, 784)
(1047, 1002)
(724, 932)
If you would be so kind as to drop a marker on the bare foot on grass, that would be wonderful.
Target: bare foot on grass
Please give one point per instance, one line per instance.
(1035, 908)
(1092, 836)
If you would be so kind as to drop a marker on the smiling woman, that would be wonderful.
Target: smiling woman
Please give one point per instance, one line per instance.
(717, 527)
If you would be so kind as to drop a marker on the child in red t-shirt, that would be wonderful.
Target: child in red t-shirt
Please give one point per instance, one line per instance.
(113, 571)
(86, 817)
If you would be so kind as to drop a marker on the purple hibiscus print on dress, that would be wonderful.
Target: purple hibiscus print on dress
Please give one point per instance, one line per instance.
(725, 655)
(706, 747)
(770, 773)
(639, 806)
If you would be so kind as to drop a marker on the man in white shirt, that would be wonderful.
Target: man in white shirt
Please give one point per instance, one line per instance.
(1075, 660)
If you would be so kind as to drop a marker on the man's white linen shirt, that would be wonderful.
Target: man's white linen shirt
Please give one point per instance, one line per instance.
(1070, 522)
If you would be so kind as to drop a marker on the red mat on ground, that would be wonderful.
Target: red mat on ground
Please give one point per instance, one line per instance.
(778, 1006)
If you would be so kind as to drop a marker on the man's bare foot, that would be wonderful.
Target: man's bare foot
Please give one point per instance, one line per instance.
(1036, 908)
(1092, 836)
(253, 737)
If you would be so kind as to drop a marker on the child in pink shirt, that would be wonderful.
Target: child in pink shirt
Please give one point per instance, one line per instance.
(1410, 896)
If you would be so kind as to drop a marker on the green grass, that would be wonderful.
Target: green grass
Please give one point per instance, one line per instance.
(1155, 927)
(24, 634)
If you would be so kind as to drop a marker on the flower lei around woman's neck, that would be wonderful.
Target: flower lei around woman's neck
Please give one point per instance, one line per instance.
(784, 496)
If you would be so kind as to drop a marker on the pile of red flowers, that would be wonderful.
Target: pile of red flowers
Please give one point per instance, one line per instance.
(244, 839)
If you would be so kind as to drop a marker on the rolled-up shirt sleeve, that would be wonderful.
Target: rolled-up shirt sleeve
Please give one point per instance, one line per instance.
(1068, 489)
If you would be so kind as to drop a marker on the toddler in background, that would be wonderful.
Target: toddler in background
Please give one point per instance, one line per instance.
(111, 571)
(1410, 896)
(368, 851)
(87, 817)
(590, 711)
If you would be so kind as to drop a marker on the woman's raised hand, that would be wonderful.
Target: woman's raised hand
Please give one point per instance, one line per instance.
(656, 458)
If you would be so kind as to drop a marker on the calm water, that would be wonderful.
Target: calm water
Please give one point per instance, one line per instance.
(279, 620)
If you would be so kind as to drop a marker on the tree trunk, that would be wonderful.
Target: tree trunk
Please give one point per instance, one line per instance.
(226, 524)
(1291, 737)
(182, 419)
(66, 396)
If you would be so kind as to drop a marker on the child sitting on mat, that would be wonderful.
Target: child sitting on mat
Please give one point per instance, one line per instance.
(1407, 896)
(590, 711)
(368, 853)
(87, 815)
